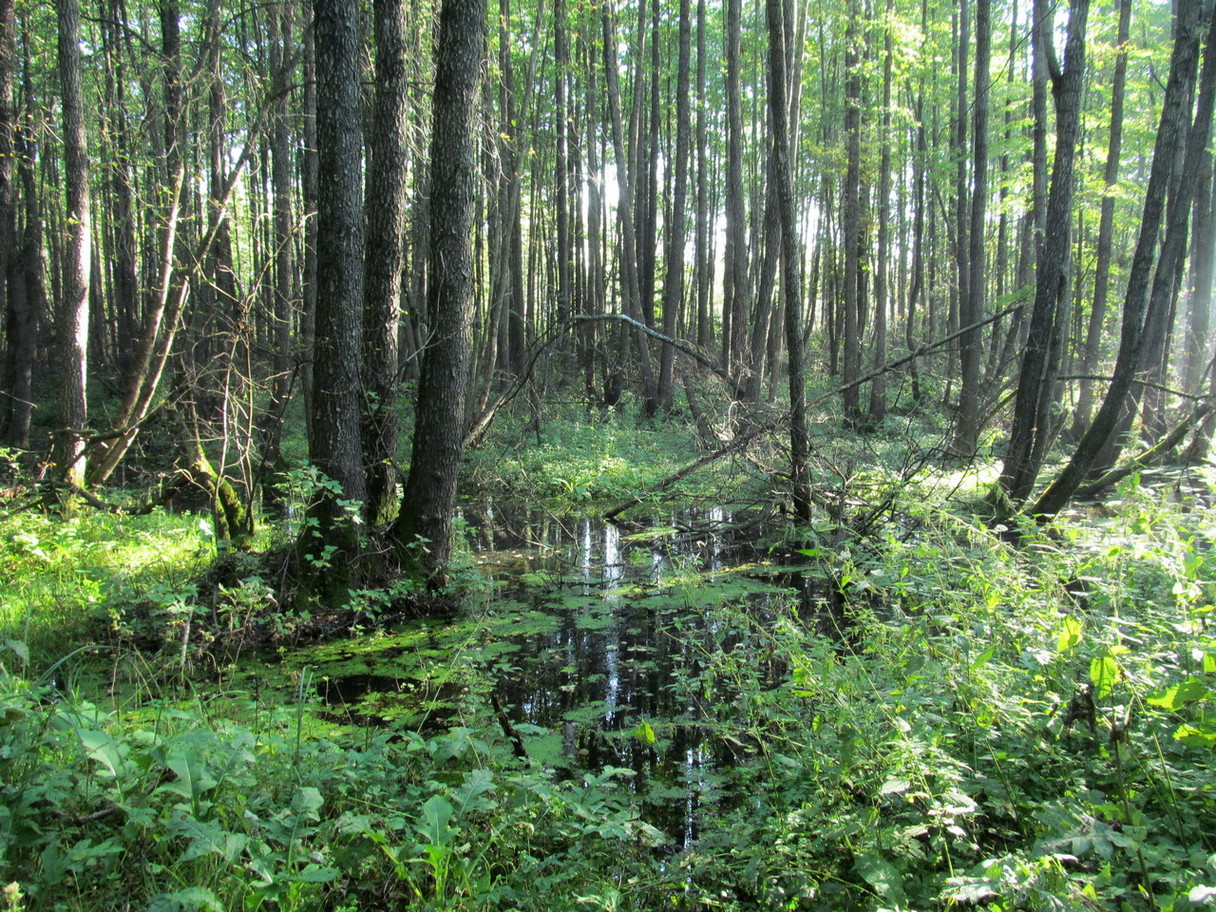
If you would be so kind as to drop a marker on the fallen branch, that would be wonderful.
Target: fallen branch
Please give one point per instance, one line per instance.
(1149, 456)
(744, 439)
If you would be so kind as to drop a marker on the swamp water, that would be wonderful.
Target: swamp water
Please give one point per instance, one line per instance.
(597, 652)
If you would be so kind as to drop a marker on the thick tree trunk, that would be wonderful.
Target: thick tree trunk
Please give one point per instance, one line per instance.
(334, 444)
(384, 261)
(423, 530)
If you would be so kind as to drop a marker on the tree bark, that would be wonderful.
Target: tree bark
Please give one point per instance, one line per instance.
(791, 276)
(68, 444)
(423, 531)
(971, 298)
(1106, 228)
(384, 261)
(673, 282)
(334, 445)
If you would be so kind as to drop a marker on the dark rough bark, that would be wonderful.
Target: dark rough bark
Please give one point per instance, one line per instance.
(334, 443)
(1139, 305)
(423, 530)
(1032, 416)
(791, 276)
(384, 261)
(74, 306)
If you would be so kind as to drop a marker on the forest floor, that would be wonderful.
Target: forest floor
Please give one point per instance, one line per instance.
(698, 708)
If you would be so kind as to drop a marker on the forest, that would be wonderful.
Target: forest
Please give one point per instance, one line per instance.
(602, 455)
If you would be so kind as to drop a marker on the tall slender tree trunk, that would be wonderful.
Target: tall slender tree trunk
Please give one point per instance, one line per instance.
(422, 532)
(1106, 229)
(632, 292)
(673, 283)
(1032, 418)
(791, 277)
(1144, 295)
(851, 342)
(73, 309)
(971, 299)
(735, 281)
(878, 387)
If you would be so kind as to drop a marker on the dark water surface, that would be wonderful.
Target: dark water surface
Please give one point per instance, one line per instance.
(599, 649)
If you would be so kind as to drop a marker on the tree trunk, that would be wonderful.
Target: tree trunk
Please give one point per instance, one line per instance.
(1032, 418)
(1139, 305)
(791, 277)
(851, 367)
(67, 447)
(673, 282)
(384, 261)
(423, 531)
(971, 299)
(334, 446)
(878, 388)
(1106, 229)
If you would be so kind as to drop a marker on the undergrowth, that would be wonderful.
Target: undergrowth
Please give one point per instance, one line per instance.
(932, 718)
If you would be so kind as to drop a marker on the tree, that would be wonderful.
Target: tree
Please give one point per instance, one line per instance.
(972, 265)
(384, 259)
(1032, 419)
(422, 532)
(334, 445)
(1147, 292)
(73, 310)
(778, 28)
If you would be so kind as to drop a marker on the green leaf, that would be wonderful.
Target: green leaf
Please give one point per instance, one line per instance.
(1070, 635)
(1196, 737)
(1104, 672)
(644, 733)
(314, 873)
(190, 899)
(476, 784)
(434, 826)
(306, 803)
(1180, 694)
(104, 749)
(883, 876)
(193, 781)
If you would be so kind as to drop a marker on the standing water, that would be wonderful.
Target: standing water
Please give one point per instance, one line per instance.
(597, 651)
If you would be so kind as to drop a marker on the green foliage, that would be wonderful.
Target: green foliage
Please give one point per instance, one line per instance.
(174, 810)
(584, 463)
